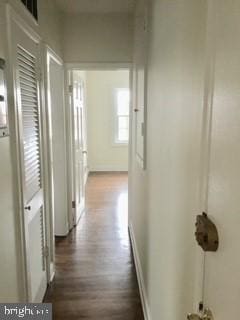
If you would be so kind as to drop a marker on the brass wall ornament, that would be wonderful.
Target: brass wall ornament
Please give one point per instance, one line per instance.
(206, 315)
(206, 233)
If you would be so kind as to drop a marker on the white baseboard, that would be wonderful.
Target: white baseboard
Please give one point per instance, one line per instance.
(141, 284)
(107, 168)
(52, 271)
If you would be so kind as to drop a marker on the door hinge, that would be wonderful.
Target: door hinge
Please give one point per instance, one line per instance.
(46, 252)
(73, 204)
(70, 88)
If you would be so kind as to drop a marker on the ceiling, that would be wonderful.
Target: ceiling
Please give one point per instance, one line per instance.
(96, 6)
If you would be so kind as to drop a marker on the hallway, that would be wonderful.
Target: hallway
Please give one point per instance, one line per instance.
(95, 274)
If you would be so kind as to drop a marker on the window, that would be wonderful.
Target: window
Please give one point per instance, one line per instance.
(31, 5)
(122, 116)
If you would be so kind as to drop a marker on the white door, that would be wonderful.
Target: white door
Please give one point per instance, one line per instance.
(221, 281)
(26, 66)
(78, 148)
(140, 112)
(58, 146)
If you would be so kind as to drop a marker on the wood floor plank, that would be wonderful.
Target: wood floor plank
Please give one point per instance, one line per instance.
(95, 273)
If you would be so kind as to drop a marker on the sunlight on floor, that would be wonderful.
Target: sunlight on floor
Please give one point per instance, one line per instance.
(122, 216)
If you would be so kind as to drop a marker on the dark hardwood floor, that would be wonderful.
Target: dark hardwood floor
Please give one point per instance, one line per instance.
(95, 273)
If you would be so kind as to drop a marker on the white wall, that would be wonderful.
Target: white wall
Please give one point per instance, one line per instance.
(9, 267)
(50, 25)
(164, 197)
(103, 155)
(97, 38)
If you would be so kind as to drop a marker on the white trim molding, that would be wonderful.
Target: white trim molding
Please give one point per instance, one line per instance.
(141, 284)
(48, 55)
(98, 66)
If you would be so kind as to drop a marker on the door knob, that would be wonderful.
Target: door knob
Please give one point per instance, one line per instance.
(206, 233)
(206, 315)
(84, 152)
(28, 208)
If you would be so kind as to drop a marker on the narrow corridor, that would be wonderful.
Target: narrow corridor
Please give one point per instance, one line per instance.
(95, 273)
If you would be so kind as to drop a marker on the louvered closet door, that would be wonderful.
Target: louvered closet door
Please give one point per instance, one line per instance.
(30, 122)
(29, 116)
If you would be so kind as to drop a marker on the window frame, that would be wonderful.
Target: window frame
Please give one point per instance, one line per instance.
(116, 141)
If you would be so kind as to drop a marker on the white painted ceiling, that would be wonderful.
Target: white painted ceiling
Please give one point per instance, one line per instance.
(95, 6)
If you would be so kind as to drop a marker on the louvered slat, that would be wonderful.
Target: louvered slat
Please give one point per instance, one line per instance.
(26, 66)
(32, 162)
(27, 81)
(25, 99)
(30, 122)
(27, 58)
(28, 76)
(31, 156)
(31, 150)
(27, 87)
(31, 167)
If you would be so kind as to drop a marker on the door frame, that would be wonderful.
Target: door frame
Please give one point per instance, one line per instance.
(205, 147)
(69, 67)
(24, 282)
(49, 54)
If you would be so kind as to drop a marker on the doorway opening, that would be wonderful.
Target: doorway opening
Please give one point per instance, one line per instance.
(98, 120)
(88, 136)
(96, 255)
(89, 139)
